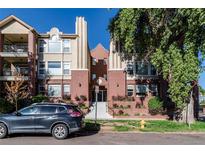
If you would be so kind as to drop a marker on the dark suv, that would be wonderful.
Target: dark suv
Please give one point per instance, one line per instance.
(57, 119)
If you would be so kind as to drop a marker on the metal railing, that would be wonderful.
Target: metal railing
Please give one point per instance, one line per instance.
(15, 48)
(22, 71)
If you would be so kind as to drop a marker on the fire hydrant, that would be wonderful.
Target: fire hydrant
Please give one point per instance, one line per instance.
(142, 124)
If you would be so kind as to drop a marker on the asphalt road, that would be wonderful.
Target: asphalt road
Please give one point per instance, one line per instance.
(108, 139)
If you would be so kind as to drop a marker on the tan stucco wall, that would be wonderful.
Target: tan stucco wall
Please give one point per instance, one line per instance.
(14, 27)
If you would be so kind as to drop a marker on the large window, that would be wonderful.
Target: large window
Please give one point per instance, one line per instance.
(66, 46)
(54, 67)
(141, 68)
(42, 69)
(66, 68)
(54, 47)
(130, 90)
(141, 89)
(54, 90)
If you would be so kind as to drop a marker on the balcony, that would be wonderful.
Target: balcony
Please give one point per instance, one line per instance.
(9, 75)
(16, 50)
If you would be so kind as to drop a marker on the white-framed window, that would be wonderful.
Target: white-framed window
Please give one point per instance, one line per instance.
(66, 45)
(93, 76)
(42, 45)
(66, 68)
(130, 90)
(105, 61)
(66, 89)
(54, 45)
(54, 90)
(141, 89)
(42, 69)
(54, 67)
(130, 68)
(94, 61)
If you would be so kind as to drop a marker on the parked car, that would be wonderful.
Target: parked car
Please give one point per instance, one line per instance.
(56, 119)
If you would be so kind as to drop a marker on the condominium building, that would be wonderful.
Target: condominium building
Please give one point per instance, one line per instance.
(61, 65)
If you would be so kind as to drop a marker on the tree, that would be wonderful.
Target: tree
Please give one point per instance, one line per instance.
(171, 39)
(16, 90)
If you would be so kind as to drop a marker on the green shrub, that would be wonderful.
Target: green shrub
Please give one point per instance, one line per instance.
(39, 98)
(155, 106)
(6, 107)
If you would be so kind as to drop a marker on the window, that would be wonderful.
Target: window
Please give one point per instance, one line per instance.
(154, 89)
(42, 46)
(62, 109)
(66, 90)
(105, 61)
(141, 89)
(54, 90)
(94, 61)
(41, 89)
(66, 46)
(66, 68)
(42, 69)
(130, 90)
(54, 45)
(130, 69)
(48, 109)
(153, 70)
(93, 76)
(54, 68)
(141, 68)
(29, 110)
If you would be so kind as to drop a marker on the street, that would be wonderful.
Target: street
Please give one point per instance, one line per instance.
(107, 139)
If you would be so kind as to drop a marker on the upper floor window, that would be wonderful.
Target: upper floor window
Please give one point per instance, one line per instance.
(141, 68)
(54, 45)
(66, 46)
(153, 70)
(130, 68)
(66, 68)
(42, 46)
(42, 69)
(54, 67)
(94, 61)
(105, 61)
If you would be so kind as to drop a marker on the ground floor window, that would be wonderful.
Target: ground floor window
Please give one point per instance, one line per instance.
(54, 90)
(154, 89)
(130, 90)
(41, 89)
(141, 89)
(66, 90)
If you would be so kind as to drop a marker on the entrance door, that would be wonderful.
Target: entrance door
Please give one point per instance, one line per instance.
(102, 96)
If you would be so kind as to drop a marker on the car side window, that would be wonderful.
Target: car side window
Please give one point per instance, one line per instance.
(62, 109)
(48, 110)
(29, 110)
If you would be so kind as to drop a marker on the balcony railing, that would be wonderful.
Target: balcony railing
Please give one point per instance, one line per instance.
(15, 48)
(22, 71)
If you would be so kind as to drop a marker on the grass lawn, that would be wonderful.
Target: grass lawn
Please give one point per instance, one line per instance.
(150, 126)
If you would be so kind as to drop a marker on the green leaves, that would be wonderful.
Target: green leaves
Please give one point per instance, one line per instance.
(172, 38)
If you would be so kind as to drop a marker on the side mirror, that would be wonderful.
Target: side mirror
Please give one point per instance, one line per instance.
(18, 113)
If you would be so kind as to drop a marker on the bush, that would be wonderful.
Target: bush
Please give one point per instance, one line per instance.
(155, 106)
(6, 107)
(39, 98)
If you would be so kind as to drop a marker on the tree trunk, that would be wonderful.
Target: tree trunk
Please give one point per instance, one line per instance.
(188, 112)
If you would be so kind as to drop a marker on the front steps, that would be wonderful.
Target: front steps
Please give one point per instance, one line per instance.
(102, 112)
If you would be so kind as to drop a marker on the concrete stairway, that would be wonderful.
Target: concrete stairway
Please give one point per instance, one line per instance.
(102, 112)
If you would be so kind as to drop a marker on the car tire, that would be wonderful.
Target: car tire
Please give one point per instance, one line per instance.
(3, 131)
(60, 131)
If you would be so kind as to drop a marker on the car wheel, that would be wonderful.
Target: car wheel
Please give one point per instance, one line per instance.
(3, 130)
(60, 131)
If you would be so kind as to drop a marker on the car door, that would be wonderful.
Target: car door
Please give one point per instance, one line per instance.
(46, 117)
(23, 121)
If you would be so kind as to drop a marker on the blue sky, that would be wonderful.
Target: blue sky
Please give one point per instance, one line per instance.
(44, 19)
